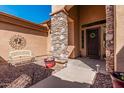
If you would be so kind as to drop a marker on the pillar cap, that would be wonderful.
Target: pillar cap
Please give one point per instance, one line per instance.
(61, 10)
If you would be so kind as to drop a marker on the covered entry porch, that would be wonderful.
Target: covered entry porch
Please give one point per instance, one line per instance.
(88, 28)
(86, 31)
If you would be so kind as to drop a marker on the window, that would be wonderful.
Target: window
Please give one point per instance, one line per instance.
(82, 38)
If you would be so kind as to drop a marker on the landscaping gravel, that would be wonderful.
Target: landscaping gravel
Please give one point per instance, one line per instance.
(102, 81)
(9, 73)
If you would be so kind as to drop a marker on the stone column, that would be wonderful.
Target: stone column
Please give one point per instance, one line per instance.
(59, 33)
(110, 38)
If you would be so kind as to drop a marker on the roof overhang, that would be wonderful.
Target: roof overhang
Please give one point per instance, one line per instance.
(6, 18)
(64, 9)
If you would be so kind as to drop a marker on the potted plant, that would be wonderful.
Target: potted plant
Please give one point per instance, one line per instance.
(118, 79)
(49, 62)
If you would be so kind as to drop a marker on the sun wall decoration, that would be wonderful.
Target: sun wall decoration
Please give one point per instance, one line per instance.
(17, 42)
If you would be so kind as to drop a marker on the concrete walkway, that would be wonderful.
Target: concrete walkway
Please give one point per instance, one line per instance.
(79, 73)
(88, 63)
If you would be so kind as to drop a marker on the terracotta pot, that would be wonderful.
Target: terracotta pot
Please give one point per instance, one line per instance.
(117, 83)
(49, 63)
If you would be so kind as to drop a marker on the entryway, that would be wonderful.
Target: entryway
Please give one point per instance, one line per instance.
(79, 73)
(88, 63)
(93, 44)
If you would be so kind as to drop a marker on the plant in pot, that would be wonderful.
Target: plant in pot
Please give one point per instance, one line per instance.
(118, 79)
(49, 62)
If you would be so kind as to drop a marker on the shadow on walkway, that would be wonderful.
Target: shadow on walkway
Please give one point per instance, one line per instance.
(93, 62)
(56, 82)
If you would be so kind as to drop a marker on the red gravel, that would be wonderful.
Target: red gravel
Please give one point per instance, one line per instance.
(102, 81)
(9, 73)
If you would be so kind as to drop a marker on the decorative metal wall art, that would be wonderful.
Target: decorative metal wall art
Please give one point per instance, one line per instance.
(17, 42)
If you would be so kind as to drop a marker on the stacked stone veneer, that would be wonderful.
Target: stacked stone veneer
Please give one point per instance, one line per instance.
(110, 38)
(59, 33)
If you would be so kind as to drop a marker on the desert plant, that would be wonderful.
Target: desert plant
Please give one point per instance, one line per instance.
(119, 75)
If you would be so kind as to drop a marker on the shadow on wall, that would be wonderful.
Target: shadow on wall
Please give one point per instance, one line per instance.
(14, 28)
(120, 60)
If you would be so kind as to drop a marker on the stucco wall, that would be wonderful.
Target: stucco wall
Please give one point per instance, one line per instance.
(119, 49)
(91, 13)
(36, 40)
(74, 15)
(57, 8)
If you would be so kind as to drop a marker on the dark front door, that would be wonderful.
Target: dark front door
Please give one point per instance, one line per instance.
(93, 43)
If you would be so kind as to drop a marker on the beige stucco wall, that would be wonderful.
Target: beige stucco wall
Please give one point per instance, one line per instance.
(91, 13)
(49, 43)
(119, 38)
(57, 8)
(36, 40)
(74, 36)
